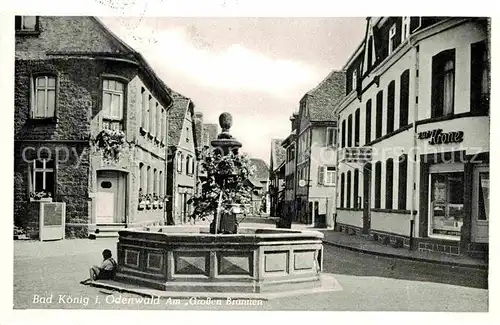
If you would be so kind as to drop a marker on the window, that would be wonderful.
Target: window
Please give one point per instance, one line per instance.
(26, 23)
(180, 162)
(483, 200)
(378, 125)
(146, 99)
(112, 104)
(342, 189)
(480, 86)
(155, 181)
(356, 198)
(343, 134)
(348, 190)
(329, 175)
(331, 140)
(162, 184)
(44, 97)
(404, 98)
(151, 115)
(443, 83)
(378, 183)
(446, 203)
(356, 128)
(150, 180)
(189, 165)
(142, 177)
(354, 79)
(349, 131)
(370, 57)
(402, 179)
(406, 28)
(142, 108)
(43, 177)
(389, 183)
(368, 121)
(392, 39)
(390, 106)
(158, 121)
(163, 124)
(192, 165)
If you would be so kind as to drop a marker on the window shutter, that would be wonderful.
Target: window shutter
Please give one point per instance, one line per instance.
(321, 176)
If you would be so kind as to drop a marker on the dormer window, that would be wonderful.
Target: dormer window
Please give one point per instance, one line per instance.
(26, 23)
(406, 28)
(392, 38)
(354, 79)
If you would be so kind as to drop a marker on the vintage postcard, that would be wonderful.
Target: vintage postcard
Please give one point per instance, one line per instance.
(336, 163)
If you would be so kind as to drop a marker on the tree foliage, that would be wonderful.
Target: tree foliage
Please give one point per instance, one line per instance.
(228, 174)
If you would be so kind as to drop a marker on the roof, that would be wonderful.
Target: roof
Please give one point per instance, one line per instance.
(278, 153)
(177, 115)
(261, 171)
(322, 99)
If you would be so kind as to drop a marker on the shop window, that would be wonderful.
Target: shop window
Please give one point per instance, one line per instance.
(368, 123)
(357, 201)
(342, 189)
(404, 98)
(343, 134)
(446, 204)
(378, 184)
(390, 106)
(349, 131)
(483, 196)
(443, 83)
(402, 180)
(480, 86)
(356, 128)
(44, 97)
(348, 190)
(42, 178)
(378, 125)
(112, 104)
(389, 179)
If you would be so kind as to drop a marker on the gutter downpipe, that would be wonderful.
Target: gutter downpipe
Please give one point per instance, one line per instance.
(414, 158)
(165, 175)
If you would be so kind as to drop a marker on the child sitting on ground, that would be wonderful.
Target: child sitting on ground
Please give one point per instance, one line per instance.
(106, 270)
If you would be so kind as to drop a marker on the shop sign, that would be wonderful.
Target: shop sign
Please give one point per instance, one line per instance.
(438, 137)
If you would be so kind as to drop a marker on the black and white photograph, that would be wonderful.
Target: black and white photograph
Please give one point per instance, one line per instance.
(248, 163)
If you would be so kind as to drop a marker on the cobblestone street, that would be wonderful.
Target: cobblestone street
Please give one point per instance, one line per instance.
(369, 283)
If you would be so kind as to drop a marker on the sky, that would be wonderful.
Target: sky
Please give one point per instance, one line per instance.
(257, 69)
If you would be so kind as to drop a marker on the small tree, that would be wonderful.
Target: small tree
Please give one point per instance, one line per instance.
(226, 174)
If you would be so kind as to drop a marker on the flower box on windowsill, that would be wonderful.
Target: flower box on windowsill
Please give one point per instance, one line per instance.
(150, 136)
(142, 205)
(43, 199)
(160, 205)
(148, 205)
(155, 205)
(142, 131)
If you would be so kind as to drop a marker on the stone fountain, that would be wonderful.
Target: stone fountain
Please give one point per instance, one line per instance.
(192, 260)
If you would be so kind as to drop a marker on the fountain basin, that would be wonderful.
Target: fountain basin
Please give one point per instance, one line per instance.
(190, 259)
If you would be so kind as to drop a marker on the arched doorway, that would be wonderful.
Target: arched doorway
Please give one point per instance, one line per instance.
(111, 197)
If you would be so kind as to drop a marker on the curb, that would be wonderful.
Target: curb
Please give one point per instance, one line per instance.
(402, 257)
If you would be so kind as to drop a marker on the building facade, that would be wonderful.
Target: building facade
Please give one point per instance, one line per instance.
(182, 159)
(276, 178)
(89, 111)
(290, 203)
(316, 159)
(418, 99)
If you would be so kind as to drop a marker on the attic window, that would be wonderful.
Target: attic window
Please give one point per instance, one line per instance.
(406, 28)
(392, 38)
(354, 79)
(26, 23)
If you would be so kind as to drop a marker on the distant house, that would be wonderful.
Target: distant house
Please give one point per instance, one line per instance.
(260, 183)
(78, 87)
(316, 161)
(276, 178)
(182, 159)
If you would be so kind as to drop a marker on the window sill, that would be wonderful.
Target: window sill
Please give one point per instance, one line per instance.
(392, 211)
(43, 120)
(27, 32)
(41, 200)
(445, 237)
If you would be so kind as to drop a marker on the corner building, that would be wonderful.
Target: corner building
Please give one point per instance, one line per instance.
(418, 98)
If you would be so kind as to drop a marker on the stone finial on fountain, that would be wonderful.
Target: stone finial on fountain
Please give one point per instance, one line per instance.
(225, 141)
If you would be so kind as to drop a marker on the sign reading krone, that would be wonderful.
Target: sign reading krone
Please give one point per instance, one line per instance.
(438, 137)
